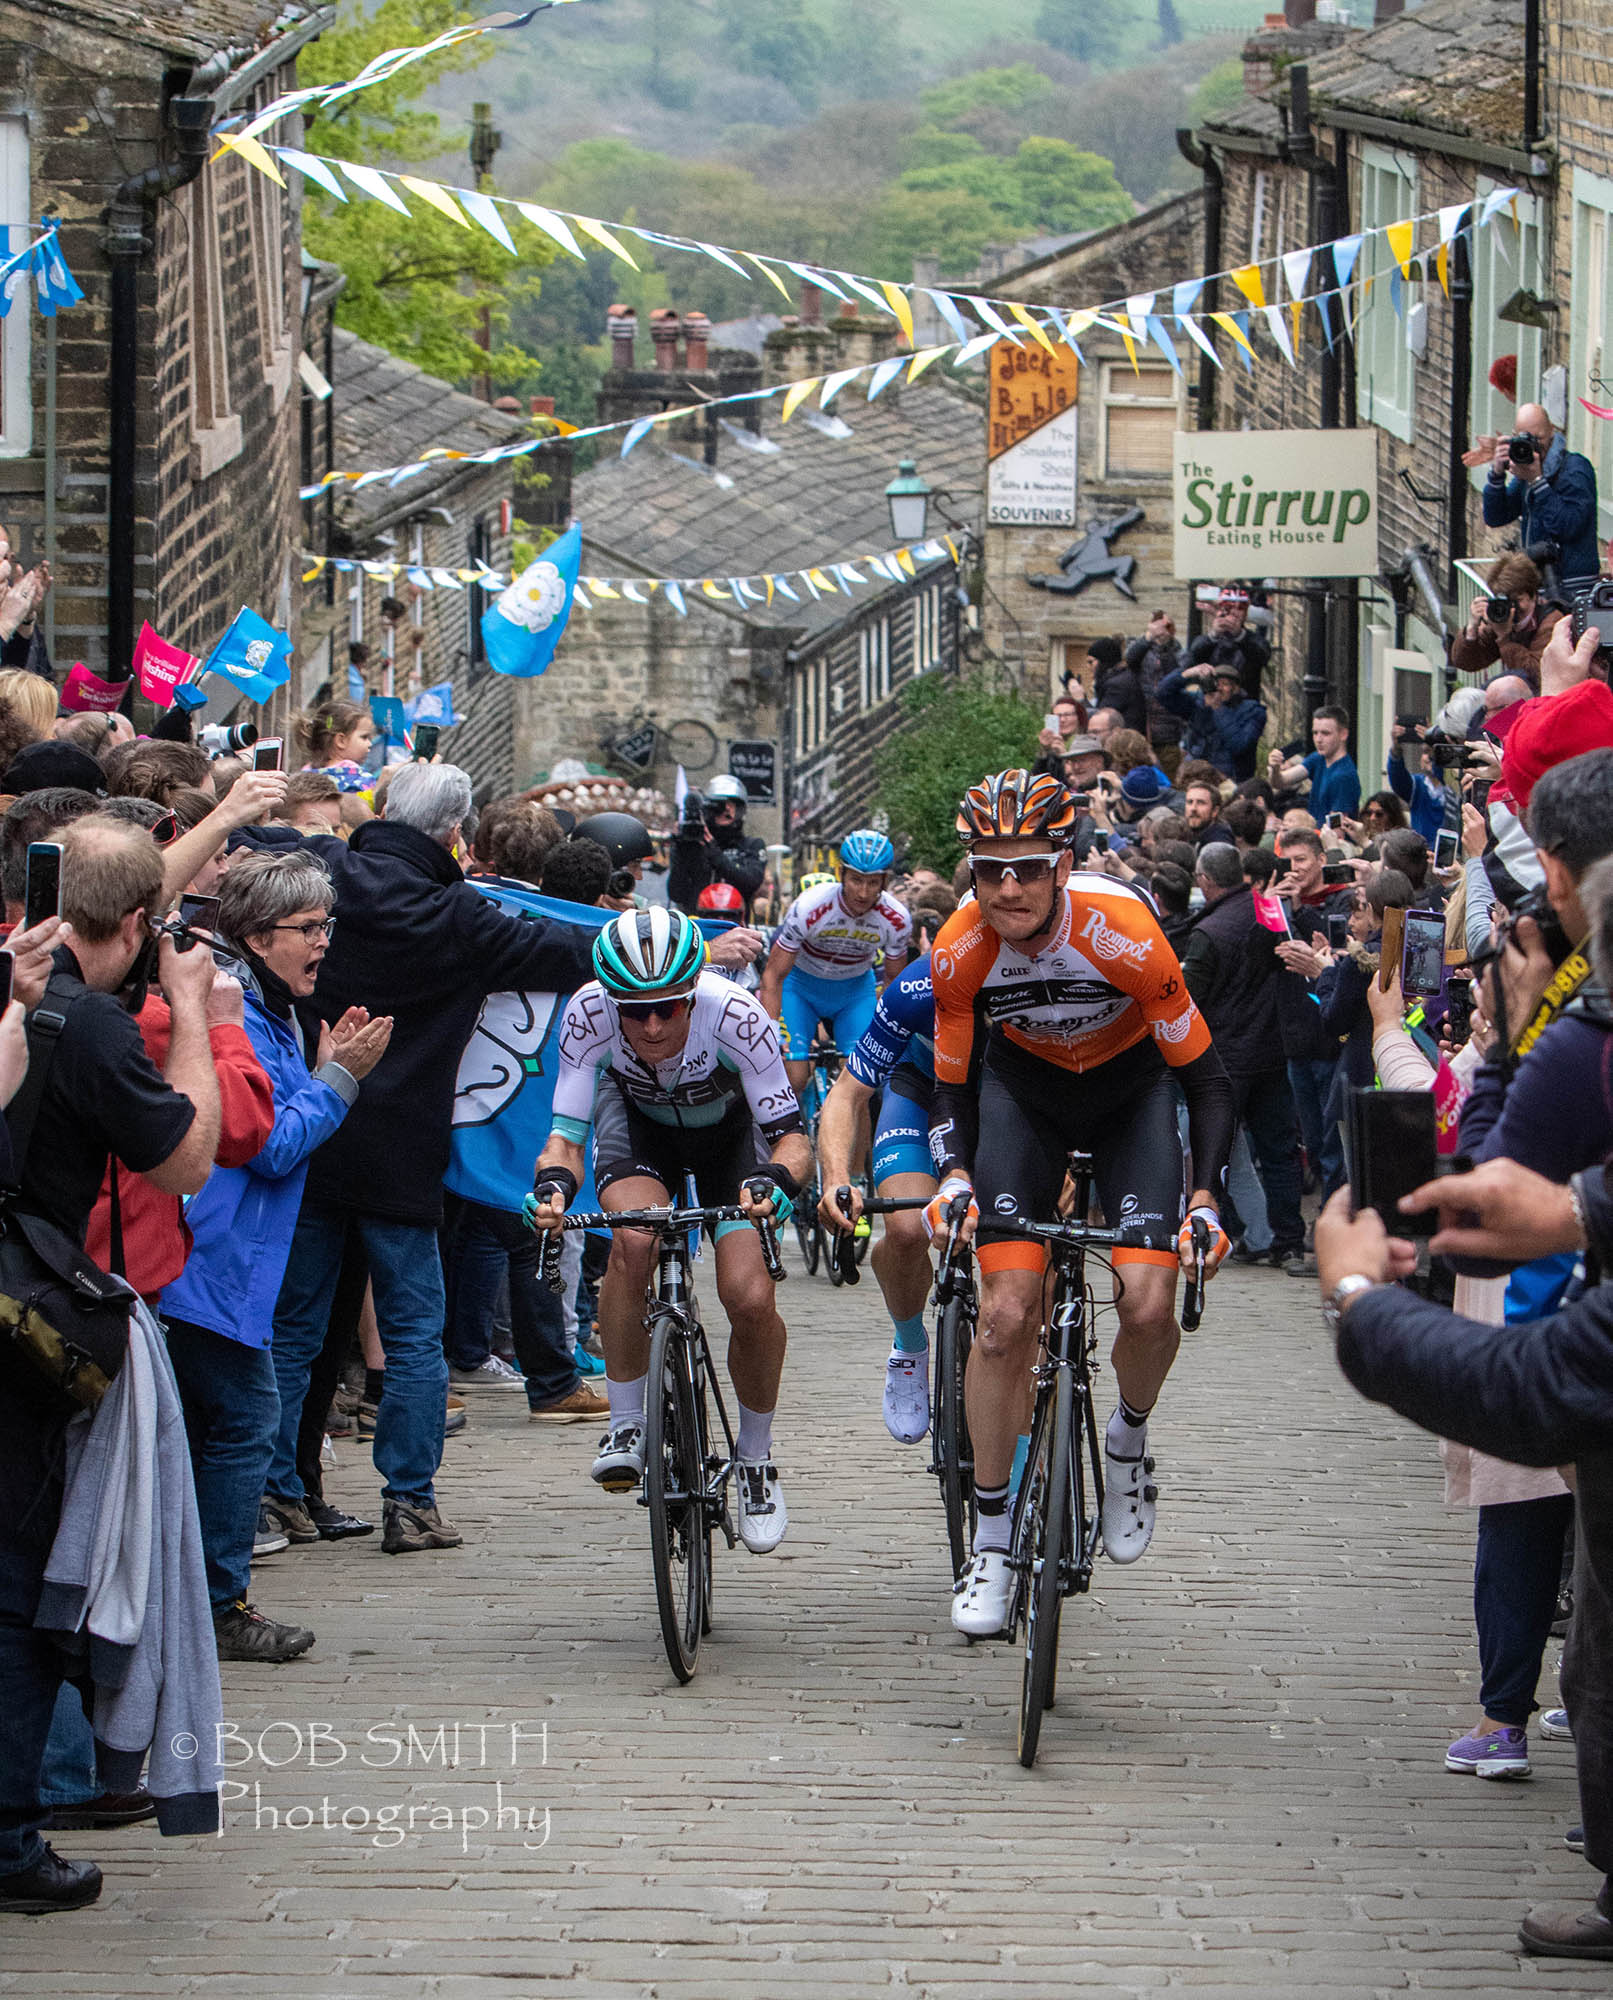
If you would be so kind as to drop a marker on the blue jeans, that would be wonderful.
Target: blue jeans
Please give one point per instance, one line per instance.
(406, 1273)
(232, 1412)
(1517, 1567)
(1310, 1082)
(67, 1777)
(1266, 1107)
(485, 1244)
(1248, 1196)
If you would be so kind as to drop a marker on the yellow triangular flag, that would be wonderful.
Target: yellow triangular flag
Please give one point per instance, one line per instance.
(253, 154)
(769, 582)
(1079, 321)
(601, 588)
(711, 590)
(769, 273)
(796, 394)
(1131, 350)
(601, 234)
(1296, 312)
(439, 198)
(308, 575)
(922, 360)
(1400, 237)
(899, 306)
(1442, 264)
(1228, 324)
(1025, 319)
(1248, 281)
(817, 576)
(904, 557)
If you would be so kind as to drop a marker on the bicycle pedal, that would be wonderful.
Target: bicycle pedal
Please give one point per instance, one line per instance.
(617, 1482)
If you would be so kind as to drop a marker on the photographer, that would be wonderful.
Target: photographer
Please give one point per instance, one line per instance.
(1536, 480)
(1423, 789)
(711, 845)
(1510, 626)
(1223, 723)
(1230, 643)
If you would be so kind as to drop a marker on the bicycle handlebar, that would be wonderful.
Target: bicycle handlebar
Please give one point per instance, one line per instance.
(670, 1220)
(1193, 1304)
(844, 1248)
(1078, 1235)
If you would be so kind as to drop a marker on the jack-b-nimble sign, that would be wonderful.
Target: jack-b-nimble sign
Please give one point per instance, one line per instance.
(1276, 503)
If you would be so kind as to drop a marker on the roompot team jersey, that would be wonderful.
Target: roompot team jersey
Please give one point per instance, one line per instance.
(830, 943)
(1106, 980)
(731, 1057)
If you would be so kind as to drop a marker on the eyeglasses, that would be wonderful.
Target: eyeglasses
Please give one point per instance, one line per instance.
(165, 829)
(1026, 869)
(311, 933)
(646, 1011)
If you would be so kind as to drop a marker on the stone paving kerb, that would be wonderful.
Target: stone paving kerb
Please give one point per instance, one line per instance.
(1241, 1789)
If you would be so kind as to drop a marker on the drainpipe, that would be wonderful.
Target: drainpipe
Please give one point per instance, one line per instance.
(1532, 122)
(128, 217)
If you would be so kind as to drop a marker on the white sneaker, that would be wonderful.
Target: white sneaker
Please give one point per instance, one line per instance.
(620, 1464)
(1554, 1723)
(982, 1595)
(493, 1373)
(907, 1396)
(269, 1545)
(1129, 1494)
(763, 1517)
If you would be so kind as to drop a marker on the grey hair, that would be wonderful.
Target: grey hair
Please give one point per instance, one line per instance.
(432, 798)
(262, 890)
(1221, 864)
(1596, 894)
(136, 812)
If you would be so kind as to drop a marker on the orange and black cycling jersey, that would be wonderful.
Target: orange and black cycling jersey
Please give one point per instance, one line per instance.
(1105, 980)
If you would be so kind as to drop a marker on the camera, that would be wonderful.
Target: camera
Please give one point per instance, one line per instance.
(1522, 449)
(1594, 606)
(1457, 757)
(694, 807)
(220, 739)
(1498, 609)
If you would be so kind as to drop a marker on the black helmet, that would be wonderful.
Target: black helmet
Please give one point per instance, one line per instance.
(623, 838)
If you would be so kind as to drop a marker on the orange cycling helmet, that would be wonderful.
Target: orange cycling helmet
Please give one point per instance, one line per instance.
(1016, 805)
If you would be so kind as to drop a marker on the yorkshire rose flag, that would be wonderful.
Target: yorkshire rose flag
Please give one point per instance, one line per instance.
(522, 627)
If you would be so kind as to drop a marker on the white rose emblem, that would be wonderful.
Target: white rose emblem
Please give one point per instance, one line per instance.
(536, 598)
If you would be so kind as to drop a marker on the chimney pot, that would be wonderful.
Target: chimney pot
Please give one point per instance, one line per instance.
(811, 304)
(664, 330)
(849, 309)
(697, 333)
(621, 323)
(542, 406)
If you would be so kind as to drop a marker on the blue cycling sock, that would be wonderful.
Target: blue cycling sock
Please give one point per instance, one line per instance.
(911, 1335)
(1022, 1451)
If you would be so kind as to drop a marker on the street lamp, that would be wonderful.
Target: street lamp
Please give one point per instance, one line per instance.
(908, 497)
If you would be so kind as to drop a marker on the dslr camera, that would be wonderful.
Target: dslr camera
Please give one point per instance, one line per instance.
(1522, 448)
(1449, 754)
(1499, 610)
(694, 806)
(1594, 606)
(220, 739)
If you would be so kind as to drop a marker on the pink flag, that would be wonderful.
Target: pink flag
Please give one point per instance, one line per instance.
(1448, 1098)
(86, 691)
(1270, 914)
(161, 667)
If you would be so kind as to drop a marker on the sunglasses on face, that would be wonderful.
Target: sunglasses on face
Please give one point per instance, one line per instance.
(1026, 869)
(646, 1011)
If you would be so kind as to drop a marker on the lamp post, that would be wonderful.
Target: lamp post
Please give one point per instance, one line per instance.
(908, 497)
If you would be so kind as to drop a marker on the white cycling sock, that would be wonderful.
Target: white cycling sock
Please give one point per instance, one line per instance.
(1127, 1435)
(755, 1440)
(994, 1519)
(627, 1401)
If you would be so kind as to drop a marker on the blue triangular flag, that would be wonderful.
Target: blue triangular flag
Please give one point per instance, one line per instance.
(522, 626)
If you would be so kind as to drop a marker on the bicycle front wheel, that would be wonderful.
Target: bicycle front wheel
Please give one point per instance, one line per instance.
(674, 1481)
(1047, 1523)
(806, 1229)
(954, 1452)
(692, 744)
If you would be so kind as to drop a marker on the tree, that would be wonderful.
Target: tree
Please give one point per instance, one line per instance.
(1048, 185)
(1093, 31)
(777, 38)
(955, 101)
(953, 728)
(1170, 24)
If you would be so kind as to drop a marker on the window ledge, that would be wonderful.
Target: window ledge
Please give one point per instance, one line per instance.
(277, 371)
(211, 450)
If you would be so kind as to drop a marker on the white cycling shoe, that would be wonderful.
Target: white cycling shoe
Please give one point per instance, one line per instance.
(982, 1595)
(1129, 1497)
(620, 1464)
(763, 1516)
(907, 1396)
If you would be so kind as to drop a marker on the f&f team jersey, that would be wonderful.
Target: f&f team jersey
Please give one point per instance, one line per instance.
(731, 1055)
(830, 943)
(1106, 980)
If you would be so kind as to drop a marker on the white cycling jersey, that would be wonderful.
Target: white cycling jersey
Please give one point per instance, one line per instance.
(830, 943)
(732, 1054)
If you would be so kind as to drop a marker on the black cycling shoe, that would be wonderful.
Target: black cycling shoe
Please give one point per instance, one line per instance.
(333, 1524)
(51, 1884)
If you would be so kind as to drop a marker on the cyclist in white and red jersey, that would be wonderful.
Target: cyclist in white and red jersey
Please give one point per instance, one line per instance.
(1061, 1017)
(821, 967)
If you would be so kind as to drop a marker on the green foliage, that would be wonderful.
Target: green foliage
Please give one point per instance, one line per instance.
(952, 102)
(777, 39)
(954, 728)
(1216, 94)
(1048, 184)
(382, 121)
(1093, 31)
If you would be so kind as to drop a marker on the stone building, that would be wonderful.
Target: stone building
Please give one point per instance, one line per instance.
(1350, 130)
(149, 437)
(1115, 468)
(818, 675)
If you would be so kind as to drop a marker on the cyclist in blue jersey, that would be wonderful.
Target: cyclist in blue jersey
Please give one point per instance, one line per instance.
(896, 1054)
(821, 967)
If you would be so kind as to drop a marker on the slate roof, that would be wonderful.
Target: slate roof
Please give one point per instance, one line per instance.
(387, 412)
(193, 29)
(817, 499)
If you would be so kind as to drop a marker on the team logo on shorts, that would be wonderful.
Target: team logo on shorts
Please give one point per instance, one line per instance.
(1005, 1204)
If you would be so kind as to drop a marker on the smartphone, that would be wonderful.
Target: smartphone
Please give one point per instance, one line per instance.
(1100, 843)
(1422, 954)
(42, 897)
(1082, 801)
(8, 965)
(1335, 874)
(267, 753)
(1050, 722)
(1389, 947)
(425, 741)
(1393, 1149)
(1459, 1010)
(199, 913)
(1445, 845)
(1336, 822)
(1338, 929)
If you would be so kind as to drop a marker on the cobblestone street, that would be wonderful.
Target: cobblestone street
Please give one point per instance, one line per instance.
(1240, 1790)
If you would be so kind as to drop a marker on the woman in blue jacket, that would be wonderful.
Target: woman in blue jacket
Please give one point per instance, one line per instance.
(275, 916)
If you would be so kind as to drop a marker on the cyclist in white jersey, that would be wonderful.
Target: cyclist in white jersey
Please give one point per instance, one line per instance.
(821, 967)
(679, 1072)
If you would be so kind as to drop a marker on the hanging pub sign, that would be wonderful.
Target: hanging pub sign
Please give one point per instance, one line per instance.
(1276, 503)
(1030, 437)
(755, 765)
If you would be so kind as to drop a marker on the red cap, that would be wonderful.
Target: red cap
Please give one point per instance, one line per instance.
(721, 896)
(1552, 730)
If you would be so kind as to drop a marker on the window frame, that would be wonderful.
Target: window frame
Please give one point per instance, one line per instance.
(266, 228)
(1113, 374)
(1386, 369)
(874, 662)
(1495, 279)
(811, 704)
(926, 635)
(16, 329)
(1591, 328)
(215, 427)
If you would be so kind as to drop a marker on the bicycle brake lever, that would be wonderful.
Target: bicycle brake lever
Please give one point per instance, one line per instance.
(549, 1261)
(770, 1251)
(1193, 1304)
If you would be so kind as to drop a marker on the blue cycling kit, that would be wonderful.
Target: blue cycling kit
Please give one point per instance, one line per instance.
(897, 1051)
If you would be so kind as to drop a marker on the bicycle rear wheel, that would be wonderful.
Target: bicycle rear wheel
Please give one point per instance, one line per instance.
(954, 1452)
(1046, 1520)
(807, 1233)
(692, 744)
(674, 1480)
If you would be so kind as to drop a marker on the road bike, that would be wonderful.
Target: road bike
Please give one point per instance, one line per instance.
(814, 1239)
(1058, 1513)
(952, 1457)
(687, 1466)
(636, 746)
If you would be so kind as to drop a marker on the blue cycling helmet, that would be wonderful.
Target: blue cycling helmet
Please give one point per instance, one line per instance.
(868, 851)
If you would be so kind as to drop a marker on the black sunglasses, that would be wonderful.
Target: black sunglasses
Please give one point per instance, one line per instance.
(645, 1011)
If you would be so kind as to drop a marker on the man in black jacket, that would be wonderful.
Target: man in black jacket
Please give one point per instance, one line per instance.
(1539, 1393)
(1233, 973)
(711, 845)
(412, 939)
(1230, 643)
